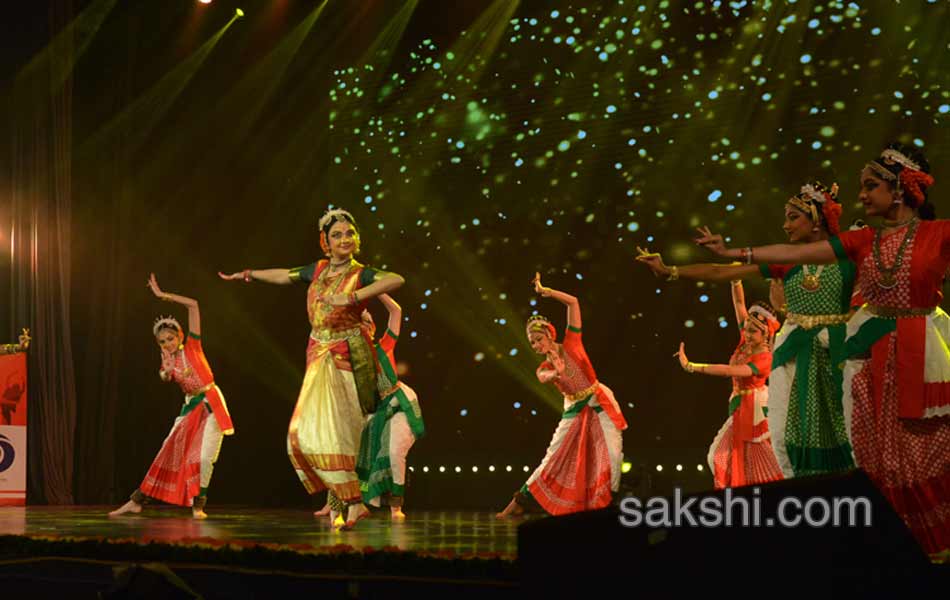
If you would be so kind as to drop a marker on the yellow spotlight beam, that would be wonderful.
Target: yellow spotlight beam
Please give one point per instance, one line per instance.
(52, 66)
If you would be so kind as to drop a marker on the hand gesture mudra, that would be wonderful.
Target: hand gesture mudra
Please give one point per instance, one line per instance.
(711, 241)
(556, 361)
(652, 260)
(25, 339)
(153, 285)
(682, 355)
(538, 288)
(239, 276)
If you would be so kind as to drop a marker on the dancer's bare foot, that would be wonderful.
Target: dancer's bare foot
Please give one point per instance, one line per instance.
(354, 513)
(397, 514)
(323, 511)
(129, 507)
(336, 519)
(198, 513)
(512, 510)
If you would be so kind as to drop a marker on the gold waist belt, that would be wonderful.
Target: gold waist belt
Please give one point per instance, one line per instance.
(889, 312)
(582, 394)
(812, 321)
(328, 336)
(747, 391)
(203, 390)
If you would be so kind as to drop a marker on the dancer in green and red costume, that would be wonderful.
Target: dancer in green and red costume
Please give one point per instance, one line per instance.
(897, 373)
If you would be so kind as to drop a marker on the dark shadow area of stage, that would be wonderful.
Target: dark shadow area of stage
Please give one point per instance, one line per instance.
(76, 579)
(648, 546)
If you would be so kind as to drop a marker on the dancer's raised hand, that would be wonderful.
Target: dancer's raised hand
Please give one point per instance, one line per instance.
(681, 354)
(538, 288)
(652, 260)
(711, 241)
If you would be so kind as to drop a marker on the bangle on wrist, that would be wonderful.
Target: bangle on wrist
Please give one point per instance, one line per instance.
(247, 276)
(674, 273)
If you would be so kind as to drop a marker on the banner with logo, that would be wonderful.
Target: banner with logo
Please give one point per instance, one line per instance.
(13, 430)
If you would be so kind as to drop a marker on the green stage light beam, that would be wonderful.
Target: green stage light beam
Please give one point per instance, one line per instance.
(134, 124)
(234, 115)
(306, 173)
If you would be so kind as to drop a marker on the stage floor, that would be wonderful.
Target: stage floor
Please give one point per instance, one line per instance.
(446, 532)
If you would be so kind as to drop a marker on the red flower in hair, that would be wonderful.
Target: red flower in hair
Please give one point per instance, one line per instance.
(323, 243)
(832, 212)
(914, 183)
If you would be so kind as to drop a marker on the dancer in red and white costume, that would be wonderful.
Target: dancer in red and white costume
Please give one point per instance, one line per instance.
(181, 472)
(741, 453)
(581, 468)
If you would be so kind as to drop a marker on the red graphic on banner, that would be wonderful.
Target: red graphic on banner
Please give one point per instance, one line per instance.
(13, 389)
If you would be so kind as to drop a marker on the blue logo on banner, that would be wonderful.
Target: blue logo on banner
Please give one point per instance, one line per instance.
(7, 454)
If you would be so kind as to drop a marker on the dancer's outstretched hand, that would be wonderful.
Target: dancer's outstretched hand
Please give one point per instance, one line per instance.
(682, 355)
(239, 276)
(711, 241)
(652, 260)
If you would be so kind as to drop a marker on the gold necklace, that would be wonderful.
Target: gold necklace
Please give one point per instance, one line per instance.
(810, 281)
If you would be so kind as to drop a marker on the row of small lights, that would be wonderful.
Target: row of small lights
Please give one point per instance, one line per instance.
(680, 467)
(625, 468)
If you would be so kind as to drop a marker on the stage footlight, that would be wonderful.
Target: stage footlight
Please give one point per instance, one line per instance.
(205, 1)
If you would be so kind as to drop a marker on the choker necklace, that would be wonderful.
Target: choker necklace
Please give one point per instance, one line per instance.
(895, 224)
(340, 264)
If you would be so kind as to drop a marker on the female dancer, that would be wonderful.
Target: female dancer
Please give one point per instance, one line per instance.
(582, 465)
(394, 428)
(741, 453)
(805, 414)
(339, 386)
(897, 378)
(181, 472)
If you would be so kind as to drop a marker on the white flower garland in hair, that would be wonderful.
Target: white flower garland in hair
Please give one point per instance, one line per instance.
(162, 321)
(763, 311)
(333, 214)
(895, 156)
(813, 193)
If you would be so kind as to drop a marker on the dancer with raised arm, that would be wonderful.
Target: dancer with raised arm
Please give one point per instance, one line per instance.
(805, 409)
(741, 453)
(339, 387)
(181, 472)
(581, 468)
(897, 377)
